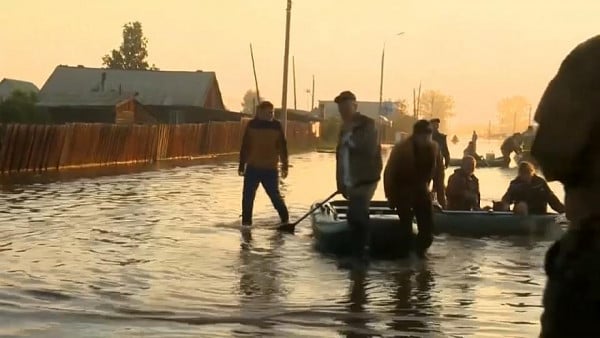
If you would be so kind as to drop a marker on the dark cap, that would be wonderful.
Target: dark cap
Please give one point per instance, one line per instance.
(422, 127)
(345, 96)
(435, 120)
(265, 104)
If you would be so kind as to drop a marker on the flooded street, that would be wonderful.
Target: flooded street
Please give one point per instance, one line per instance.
(157, 254)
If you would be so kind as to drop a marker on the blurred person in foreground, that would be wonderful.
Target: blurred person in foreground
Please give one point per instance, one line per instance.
(462, 192)
(263, 146)
(411, 167)
(567, 147)
(530, 193)
(358, 167)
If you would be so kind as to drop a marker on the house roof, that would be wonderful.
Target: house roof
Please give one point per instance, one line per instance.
(80, 86)
(7, 86)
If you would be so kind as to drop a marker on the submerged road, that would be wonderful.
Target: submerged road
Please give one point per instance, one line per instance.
(157, 254)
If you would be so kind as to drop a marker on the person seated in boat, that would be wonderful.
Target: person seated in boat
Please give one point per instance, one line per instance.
(471, 150)
(530, 193)
(411, 167)
(511, 144)
(462, 191)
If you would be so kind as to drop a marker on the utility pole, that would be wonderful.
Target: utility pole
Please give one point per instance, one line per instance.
(312, 101)
(381, 79)
(286, 53)
(255, 79)
(294, 79)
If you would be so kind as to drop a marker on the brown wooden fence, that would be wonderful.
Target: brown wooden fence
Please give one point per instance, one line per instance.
(53, 147)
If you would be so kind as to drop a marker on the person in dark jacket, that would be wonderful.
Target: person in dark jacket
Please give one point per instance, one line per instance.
(462, 191)
(358, 166)
(511, 144)
(441, 140)
(530, 193)
(411, 167)
(263, 146)
(566, 148)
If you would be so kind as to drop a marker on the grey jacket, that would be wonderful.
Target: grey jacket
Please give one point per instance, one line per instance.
(365, 156)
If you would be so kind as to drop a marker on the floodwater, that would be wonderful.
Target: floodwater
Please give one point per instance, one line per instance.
(158, 254)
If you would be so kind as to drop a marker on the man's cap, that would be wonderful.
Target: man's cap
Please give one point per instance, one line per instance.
(422, 127)
(265, 104)
(435, 120)
(345, 96)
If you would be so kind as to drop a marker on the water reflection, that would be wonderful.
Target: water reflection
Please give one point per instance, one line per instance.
(413, 302)
(356, 320)
(260, 287)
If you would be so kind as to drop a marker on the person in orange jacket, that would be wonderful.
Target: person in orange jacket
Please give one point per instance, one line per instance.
(411, 167)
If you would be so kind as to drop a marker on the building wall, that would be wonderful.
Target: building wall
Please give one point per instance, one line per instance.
(61, 115)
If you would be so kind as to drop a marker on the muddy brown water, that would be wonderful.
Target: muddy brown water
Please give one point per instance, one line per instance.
(157, 253)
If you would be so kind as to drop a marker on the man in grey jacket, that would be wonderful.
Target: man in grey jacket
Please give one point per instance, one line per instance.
(359, 166)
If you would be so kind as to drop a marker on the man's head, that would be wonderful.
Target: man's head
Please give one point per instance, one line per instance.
(468, 165)
(264, 111)
(526, 171)
(347, 105)
(435, 124)
(422, 132)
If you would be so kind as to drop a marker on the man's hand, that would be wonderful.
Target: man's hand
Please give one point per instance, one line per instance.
(241, 170)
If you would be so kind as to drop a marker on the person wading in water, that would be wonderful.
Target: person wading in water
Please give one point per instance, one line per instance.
(358, 167)
(567, 148)
(411, 167)
(263, 146)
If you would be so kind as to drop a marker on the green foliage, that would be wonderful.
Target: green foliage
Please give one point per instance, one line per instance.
(20, 107)
(249, 102)
(133, 51)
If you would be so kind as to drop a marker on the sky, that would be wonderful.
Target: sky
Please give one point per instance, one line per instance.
(477, 51)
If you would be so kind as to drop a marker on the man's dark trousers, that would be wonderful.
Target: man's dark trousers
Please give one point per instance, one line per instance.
(269, 178)
(359, 200)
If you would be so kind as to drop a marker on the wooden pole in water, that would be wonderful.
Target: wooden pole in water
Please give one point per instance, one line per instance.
(294, 79)
(286, 53)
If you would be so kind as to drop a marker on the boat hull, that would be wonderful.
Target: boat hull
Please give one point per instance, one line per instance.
(386, 238)
(483, 224)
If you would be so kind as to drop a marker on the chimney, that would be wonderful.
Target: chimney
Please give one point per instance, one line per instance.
(102, 81)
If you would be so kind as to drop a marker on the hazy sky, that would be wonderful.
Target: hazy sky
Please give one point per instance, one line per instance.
(478, 51)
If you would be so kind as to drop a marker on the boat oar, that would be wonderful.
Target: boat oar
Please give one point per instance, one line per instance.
(292, 226)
